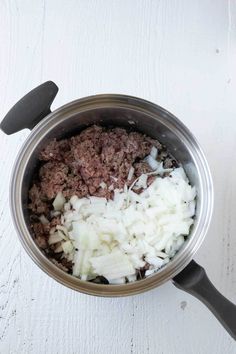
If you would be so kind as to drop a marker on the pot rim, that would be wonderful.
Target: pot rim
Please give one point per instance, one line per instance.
(184, 255)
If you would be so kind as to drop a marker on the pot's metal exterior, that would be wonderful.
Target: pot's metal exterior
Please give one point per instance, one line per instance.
(129, 112)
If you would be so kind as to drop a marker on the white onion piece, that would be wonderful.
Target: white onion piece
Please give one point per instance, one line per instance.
(97, 200)
(62, 235)
(117, 281)
(59, 249)
(130, 174)
(54, 213)
(103, 185)
(106, 238)
(131, 278)
(54, 238)
(111, 188)
(43, 220)
(153, 164)
(82, 265)
(149, 272)
(154, 152)
(59, 201)
(70, 256)
(52, 230)
(73, 200)
(67, 206)
(113, 266)
(141, 182)
(161, 254)
(155, 261)
(67, 247)
(63, 229)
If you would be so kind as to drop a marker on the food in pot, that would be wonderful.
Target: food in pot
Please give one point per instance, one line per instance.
(111, 206)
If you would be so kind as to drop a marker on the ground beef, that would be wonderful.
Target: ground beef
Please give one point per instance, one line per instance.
(141, 272)
(41, 231)
(78, 165)
(54, 222)
(75, 186)
(60, 264)
(141, 167)
(54, 150)
(53, 178)
(40, 235)
(38, 204)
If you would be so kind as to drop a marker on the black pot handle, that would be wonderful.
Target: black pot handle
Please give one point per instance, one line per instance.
(31, 109)
(193, 280)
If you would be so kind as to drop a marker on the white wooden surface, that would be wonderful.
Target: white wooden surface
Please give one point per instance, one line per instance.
(180, 54)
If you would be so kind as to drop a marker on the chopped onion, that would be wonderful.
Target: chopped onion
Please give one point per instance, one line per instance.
(114, 178)
(59, 201)
(103, 185)
(67, 206)
(106, 238)
(67, 247)
(149, 272)
(141, 182)
(154, 152)
(43, 220)
(111, 187)
(155, 261)
(117, 281)
(54, 213)
(63, 229)
(161, 254)
(52, 231)
(59, 249)
(54, 238)
(116, 237)
(130, 174)
(70, 256)
(97, 200)
(112, 266)
(62, 235)
(73, 200)
(131, 278)
(82, 265)
(153, 164)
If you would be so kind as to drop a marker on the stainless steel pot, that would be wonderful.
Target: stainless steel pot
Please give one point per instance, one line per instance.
(33, 112)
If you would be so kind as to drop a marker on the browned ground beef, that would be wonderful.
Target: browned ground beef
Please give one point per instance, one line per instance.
(78, 165)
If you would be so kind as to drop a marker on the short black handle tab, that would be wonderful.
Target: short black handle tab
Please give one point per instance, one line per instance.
(31, 109)
(193, 280)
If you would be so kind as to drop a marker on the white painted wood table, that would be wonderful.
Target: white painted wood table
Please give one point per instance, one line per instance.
(179, 54)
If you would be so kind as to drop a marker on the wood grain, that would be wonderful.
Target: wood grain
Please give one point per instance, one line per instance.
(179, 54)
